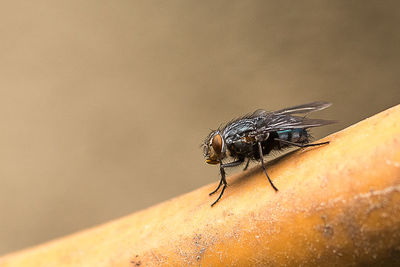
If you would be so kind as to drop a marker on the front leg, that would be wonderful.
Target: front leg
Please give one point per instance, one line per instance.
(213, 192)
(223, 180)
(222, 171)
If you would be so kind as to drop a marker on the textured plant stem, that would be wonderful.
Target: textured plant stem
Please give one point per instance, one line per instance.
(337, 204)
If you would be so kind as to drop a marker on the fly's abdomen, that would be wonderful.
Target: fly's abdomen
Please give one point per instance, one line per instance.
(293, 135)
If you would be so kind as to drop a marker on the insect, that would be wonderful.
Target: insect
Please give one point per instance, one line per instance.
(255, 135)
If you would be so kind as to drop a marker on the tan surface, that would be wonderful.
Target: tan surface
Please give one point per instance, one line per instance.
(336, 206)
(103, 104)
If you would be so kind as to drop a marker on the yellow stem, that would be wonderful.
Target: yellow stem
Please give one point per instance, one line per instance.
(337, 204)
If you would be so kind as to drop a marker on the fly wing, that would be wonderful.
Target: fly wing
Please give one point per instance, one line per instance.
(300, 109)
(259, 113)
(305, 108)
(276, 122)
(261, 121)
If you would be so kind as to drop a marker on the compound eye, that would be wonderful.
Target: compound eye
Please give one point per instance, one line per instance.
(217, 143)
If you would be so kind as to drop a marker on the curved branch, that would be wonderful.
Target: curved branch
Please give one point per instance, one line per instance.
(338, 204)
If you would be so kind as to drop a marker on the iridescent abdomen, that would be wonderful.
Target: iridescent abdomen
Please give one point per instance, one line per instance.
(297, 135)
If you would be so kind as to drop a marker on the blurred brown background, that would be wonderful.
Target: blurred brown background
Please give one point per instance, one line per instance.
(104, 103)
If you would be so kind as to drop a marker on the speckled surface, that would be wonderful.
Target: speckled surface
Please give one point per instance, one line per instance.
(337, 205)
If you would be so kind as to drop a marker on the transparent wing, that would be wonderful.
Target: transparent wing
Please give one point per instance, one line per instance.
(305, 108)
(275, 122)
(258, 113)
(300, 109)
(265, 121)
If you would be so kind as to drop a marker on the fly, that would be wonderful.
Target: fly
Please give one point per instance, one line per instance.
(255, 135)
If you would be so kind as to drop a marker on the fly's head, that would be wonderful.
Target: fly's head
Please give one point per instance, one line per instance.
(214, 148)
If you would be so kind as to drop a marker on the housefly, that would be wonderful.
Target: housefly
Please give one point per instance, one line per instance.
(255, 135)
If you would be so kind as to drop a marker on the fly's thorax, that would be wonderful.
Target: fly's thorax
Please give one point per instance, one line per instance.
(215, 148)
(240, 148)
(261, 137)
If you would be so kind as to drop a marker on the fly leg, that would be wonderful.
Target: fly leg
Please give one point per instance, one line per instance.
(300, 145)
(222, 166)
(262, 164)
(223, 180)
(247, 164)
(213, 192)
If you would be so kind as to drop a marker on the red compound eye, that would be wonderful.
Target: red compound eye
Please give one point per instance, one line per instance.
(217, 143)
